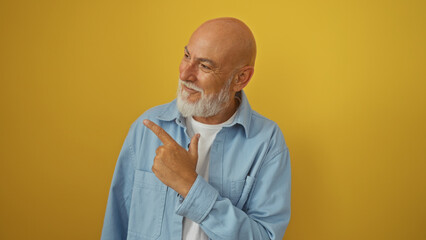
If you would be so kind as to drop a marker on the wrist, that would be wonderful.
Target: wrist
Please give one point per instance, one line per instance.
(188, 185)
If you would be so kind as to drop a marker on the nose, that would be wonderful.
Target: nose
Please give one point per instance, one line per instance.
(187, 71)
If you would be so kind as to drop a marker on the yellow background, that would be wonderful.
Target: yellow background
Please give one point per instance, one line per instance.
(345, 81)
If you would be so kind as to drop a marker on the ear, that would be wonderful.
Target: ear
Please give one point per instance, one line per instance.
(243, 78)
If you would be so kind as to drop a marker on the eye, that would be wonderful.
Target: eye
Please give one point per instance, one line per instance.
(186, 55)
(205, 66)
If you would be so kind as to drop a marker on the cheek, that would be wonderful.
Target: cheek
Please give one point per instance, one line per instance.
(210, 86)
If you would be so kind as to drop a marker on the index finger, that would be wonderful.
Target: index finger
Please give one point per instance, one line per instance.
(157, 130)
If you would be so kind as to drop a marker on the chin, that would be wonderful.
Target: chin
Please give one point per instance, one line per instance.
(189, 100)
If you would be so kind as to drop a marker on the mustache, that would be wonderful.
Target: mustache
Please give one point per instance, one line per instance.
(190, 85)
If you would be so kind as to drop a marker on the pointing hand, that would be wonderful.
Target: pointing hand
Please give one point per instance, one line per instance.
(174, 165)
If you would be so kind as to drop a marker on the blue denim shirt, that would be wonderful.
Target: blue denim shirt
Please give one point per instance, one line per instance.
(247, 195)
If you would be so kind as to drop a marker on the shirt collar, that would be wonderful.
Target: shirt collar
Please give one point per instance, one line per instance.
(243, 115)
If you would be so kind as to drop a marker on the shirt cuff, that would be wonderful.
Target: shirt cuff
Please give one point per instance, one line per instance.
(198, 202)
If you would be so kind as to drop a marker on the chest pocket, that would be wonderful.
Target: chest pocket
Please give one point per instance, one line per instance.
(239, 191)
(147, 206)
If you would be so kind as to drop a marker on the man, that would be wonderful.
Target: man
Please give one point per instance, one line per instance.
(205, 165)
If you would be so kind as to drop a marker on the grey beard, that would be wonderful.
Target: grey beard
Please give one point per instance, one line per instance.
(206, 106)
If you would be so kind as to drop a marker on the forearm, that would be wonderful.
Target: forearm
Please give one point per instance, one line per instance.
(220, 219)
(225, 221)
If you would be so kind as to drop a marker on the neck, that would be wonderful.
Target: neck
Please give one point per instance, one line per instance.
(222, 116)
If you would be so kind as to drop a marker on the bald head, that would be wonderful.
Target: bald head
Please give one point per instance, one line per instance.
(231, 37)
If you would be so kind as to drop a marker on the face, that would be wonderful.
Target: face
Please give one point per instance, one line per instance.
(205, 79)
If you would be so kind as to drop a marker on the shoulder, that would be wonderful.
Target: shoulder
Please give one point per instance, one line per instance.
(269, 131)
(158, 112)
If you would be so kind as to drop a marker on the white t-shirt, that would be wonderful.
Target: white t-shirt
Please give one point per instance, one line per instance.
(191, 230)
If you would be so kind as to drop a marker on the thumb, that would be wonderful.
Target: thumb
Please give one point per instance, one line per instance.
(193, 146)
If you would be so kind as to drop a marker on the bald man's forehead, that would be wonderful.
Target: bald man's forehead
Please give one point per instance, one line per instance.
(205, 54)
(211, 62)
(226, 41)
(208, 41)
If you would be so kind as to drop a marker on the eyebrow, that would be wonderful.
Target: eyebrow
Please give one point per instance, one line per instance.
(211, 62)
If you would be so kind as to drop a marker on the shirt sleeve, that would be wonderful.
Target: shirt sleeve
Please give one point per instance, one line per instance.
(117, 211)
(266, 213)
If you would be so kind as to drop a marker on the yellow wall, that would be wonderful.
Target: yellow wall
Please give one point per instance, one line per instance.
(345, 80)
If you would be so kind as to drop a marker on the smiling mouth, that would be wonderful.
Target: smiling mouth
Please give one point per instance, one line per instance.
(188, 89)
